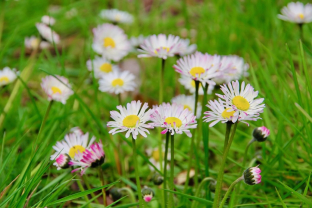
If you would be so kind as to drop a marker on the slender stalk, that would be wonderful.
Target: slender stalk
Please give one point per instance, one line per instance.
(301, 31)
(221, 169)
(205, 133)
(165, 169)
(172, 169)
(202, 183)
(82, 189)
(103, 189)
(88, 187)
(227, 134)
(229, 191)
(137, 177)
(119, 99)
(192, 139)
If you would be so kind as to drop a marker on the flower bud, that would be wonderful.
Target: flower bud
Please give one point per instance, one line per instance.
(147, 194)
(62, 161)
(252, 176)
(115, 193)
(158, 179)
(261, 133)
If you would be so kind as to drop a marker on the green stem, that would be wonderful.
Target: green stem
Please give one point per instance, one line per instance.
(89, 187)
(301, 31)
(172, 169)
(202, 183)
(221, 169)
(192, 140)
(165, 168)
(229, 191)
(82, 190)
(119, 99)
(103, 189)
(130, 192)
(137, 177)
(161, 83)
(227, 134)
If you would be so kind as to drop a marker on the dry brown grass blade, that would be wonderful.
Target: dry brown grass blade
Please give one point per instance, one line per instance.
(26, 204)
(7, 188)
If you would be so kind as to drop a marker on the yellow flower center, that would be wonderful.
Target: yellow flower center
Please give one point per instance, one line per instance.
(197, 70)
(188, 107)
(130, 121)
(117, 81)
(193, 84)
(109, 42)
(56, 90)
(117, 17)
(4, 79)
(107, 67)
(74, 150)
(226, 114)
(155, 155)
(172, 120)
(34, 43)
(166, 48)
(301, 16)
(241, 103)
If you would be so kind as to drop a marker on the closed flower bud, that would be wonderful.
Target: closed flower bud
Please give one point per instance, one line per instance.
(158, 179)
(252, 176)
(115, 193)
(260, 134)
(62, 161)
(147, 194)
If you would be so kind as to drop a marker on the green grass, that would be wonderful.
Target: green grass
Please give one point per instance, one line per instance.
(280, 69)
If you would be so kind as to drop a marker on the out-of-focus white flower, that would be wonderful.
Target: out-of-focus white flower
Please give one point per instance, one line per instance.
(137, 41)
(7, 76)
(117, 16)
(32, 43)
(185, 48)
(101, 66)
(188, 102)
(48, 20)
(189, 84)
(47, 33)
(297, 12)
(110, 41)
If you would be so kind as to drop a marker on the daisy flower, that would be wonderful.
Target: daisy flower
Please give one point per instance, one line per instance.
(189, 84)
(173, 118)
(110, 41)
(101, 66)
(188, 102)
(131, 119)
(297, 12)
(160, 46)
(57, 89)
(116, 16)
(242, 100)
(199, 67)
(62, 161)
(185, 48)
(47, 33)
(252, 176)
(117, 82)
(7, 76)
(92, 157)
(32, 43)
(48, 20)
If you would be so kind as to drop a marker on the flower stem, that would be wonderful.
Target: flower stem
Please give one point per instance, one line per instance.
(161, 83)
(229, 191)
(227, 134)
(172, 169)
(82, 189)
(102, 182)
(136, 168)
(301, 31)
(119, 99)
(221, 169)
(83, 177)
(198, 190)
(165, 169)
(192, 140)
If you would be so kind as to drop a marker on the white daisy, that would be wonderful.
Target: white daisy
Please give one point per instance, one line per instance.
(32, 43)
(185, 48)
(297, 12)
(174, 118)
(132, 119)
(48, 20)
(188, 102)
(242, 100)
(7, 76)
(47, 33)
(200, 67)
(189, 84)
(116, 16)
(110, 41)
(91, 157)
(101, 66)
(160, 46)
(117, 82)
(55, 89)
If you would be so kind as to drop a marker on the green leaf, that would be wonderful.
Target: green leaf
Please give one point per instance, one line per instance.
(279, 196)
(201, 200)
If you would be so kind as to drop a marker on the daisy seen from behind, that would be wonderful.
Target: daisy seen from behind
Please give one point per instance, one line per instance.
(7, 76)
(131, 119)
(116, 16)
(47, 33)
(101, 66)
(296, 12)
(185, 48)
(110, 41)
(33, 42)
(57, 88)
(187, 101)
(48, 20)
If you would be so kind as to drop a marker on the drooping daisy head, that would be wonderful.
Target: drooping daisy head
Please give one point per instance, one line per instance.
(48, 20)
(243, 100)
(185, 48)
(7, 76)
(117, 82)
(116, 16)
(187, 101)
(252, 176)
(296, 12)
(101, 66)
(174, 118)
(57, 88)
(189, 84)
(33, 42)
(62, 161)
(91, 157)
(260, 134)
(47, 33)
(133, 119)
(199, 67)
(160, 46)
(110, 41)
